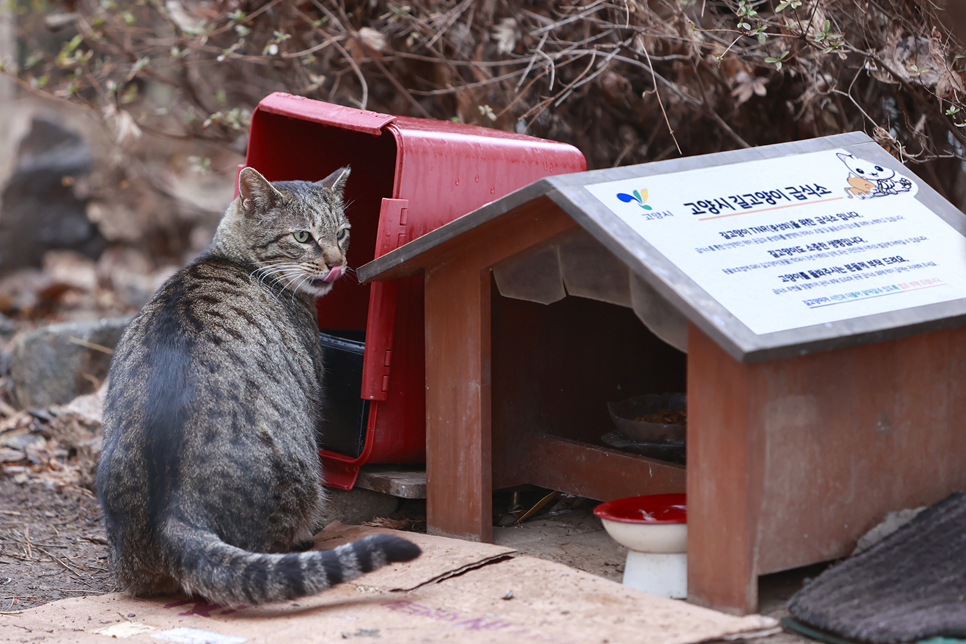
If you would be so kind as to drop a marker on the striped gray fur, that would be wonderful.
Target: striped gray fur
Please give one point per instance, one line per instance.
(210, 470)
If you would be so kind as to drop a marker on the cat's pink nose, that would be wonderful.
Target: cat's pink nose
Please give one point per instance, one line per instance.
(334, 273)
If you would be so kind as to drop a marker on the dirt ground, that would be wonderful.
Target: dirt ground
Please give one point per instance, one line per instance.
(51, 545)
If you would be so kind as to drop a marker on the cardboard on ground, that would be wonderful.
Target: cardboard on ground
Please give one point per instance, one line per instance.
(457, 591)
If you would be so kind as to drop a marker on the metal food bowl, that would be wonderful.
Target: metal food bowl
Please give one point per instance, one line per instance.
(625, 412)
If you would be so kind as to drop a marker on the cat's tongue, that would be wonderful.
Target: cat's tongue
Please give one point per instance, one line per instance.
(334, 273)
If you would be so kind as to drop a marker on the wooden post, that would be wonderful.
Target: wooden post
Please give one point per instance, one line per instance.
(724, 480)
(458, 457)
(459, 464)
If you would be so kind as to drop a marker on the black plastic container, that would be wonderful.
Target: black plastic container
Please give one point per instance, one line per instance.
(345, 413)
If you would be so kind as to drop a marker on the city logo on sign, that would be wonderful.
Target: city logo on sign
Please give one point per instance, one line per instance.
(638, 197)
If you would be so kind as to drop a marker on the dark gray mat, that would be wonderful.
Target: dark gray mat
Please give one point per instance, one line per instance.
(908, 587)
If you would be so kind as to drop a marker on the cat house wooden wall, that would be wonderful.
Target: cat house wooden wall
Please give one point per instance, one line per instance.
(797, 441)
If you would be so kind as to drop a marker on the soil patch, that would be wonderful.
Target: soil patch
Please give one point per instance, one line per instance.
(51, 545)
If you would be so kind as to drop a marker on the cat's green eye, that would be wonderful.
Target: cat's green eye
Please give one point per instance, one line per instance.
(301, 236)
(341, 234)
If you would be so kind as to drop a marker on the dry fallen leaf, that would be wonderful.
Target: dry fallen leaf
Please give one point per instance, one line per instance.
(372, 39)
(506, 35)
(387, 522)
(747, 85)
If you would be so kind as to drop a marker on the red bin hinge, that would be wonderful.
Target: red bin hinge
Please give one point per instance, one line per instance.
(381, 323)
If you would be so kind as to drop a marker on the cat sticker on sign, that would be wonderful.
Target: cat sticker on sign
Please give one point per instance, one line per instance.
(867, 180)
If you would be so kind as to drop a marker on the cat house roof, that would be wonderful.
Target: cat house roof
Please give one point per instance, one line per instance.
(772, 251)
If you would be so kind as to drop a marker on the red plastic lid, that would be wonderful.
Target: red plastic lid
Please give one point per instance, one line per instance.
(653, 508)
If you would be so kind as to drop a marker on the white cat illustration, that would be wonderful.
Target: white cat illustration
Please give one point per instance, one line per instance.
(868, 180)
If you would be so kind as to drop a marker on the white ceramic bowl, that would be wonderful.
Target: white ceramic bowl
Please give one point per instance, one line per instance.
(658, 538)
(655, 523)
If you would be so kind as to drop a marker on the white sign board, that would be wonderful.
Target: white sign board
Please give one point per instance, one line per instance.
(797, 241)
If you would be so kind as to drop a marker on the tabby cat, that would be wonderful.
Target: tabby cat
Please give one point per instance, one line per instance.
(210, 476)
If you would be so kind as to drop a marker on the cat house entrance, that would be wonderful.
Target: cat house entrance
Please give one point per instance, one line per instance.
(559, 360)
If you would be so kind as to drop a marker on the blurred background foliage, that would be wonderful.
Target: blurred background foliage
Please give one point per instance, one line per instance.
(626, 82)
(615, 78)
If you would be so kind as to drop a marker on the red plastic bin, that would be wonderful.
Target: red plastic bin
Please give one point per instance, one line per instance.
(409, 176)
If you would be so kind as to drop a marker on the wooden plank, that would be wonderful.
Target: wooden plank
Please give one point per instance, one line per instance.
(427, 251)
(599, 473)
(854, 434)
(393, 480)
(458, 459)
(725, 461)
(791, 461)
(458, 380)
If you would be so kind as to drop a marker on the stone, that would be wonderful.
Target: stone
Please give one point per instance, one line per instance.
(39, 209)
(7, 327)
(356, 506)
(78, 428)
(54, 364)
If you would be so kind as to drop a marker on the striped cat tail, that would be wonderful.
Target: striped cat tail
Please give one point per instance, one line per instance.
(224, 574)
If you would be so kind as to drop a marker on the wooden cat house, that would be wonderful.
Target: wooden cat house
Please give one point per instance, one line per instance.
(825, 363)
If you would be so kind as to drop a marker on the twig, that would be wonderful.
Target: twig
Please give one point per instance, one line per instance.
(661, 102)
(91, 345)
(937, 110)
(602, 67)
(311, 50)
(455, 14)
(583, 14)
(399, 86)
(460, 88)
(523, 92)
(249, 17)
(533, 59)
(46, 545)
(566, 91)
(362, 77)
(69, 568)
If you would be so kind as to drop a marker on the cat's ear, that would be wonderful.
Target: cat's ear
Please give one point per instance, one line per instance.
(845, 157)
(257, 194)
(336, 181)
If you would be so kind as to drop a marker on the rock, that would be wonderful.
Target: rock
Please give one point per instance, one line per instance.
(54, 364)
(78, 428)
(39, 210)
(7, 327)
(357, 506)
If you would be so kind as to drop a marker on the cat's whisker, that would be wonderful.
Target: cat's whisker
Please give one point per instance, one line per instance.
(281, 274)
(295, 290)
(294, 287)
(283, 270)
